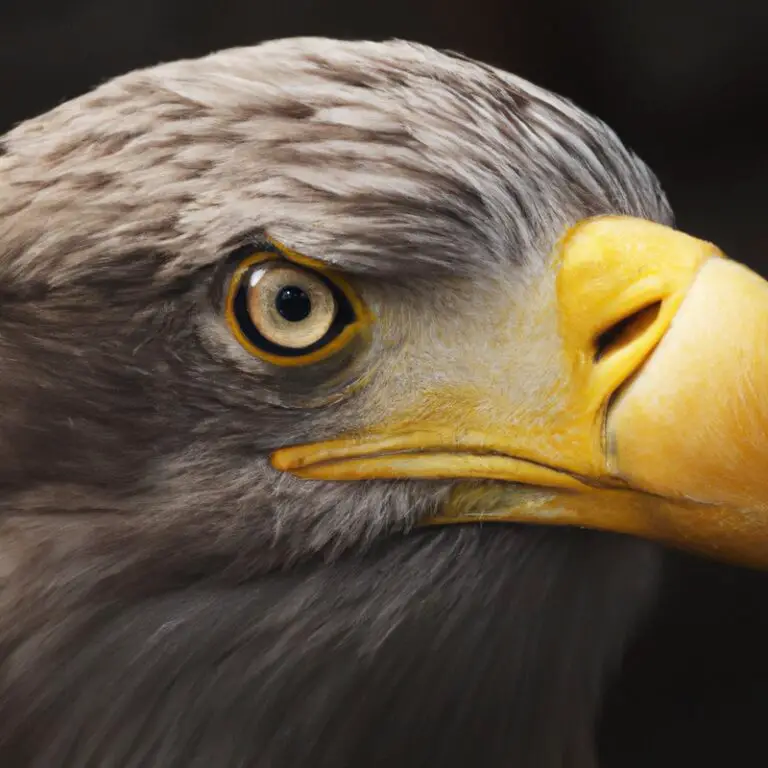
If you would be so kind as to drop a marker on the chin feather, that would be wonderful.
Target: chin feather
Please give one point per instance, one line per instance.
(455, 647)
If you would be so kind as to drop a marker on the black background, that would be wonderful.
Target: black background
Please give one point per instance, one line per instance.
(684, 82)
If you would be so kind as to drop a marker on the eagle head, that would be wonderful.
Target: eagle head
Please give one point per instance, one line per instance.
(279, 328)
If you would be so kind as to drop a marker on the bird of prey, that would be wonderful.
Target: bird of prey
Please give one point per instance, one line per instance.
(351, 395)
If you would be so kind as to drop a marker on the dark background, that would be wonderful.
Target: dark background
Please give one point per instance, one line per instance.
(684, 82)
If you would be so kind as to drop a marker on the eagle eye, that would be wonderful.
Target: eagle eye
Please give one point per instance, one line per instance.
(288, 313)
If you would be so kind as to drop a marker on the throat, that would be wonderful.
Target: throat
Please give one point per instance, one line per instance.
(465, 645)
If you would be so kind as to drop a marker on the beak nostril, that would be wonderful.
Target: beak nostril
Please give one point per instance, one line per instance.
(622, 333)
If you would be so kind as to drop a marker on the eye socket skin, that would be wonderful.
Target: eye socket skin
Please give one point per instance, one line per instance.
(291, 314)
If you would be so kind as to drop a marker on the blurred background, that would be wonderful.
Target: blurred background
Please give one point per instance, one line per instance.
(684, 83)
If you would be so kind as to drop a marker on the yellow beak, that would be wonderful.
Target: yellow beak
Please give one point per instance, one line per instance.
(662, 430)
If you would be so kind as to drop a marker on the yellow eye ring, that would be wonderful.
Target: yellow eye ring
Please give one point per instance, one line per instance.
(289, 310)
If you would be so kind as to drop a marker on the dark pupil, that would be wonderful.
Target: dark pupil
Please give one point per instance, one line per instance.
(293, 304)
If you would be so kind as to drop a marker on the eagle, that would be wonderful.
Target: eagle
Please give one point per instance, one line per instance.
(352, 394)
